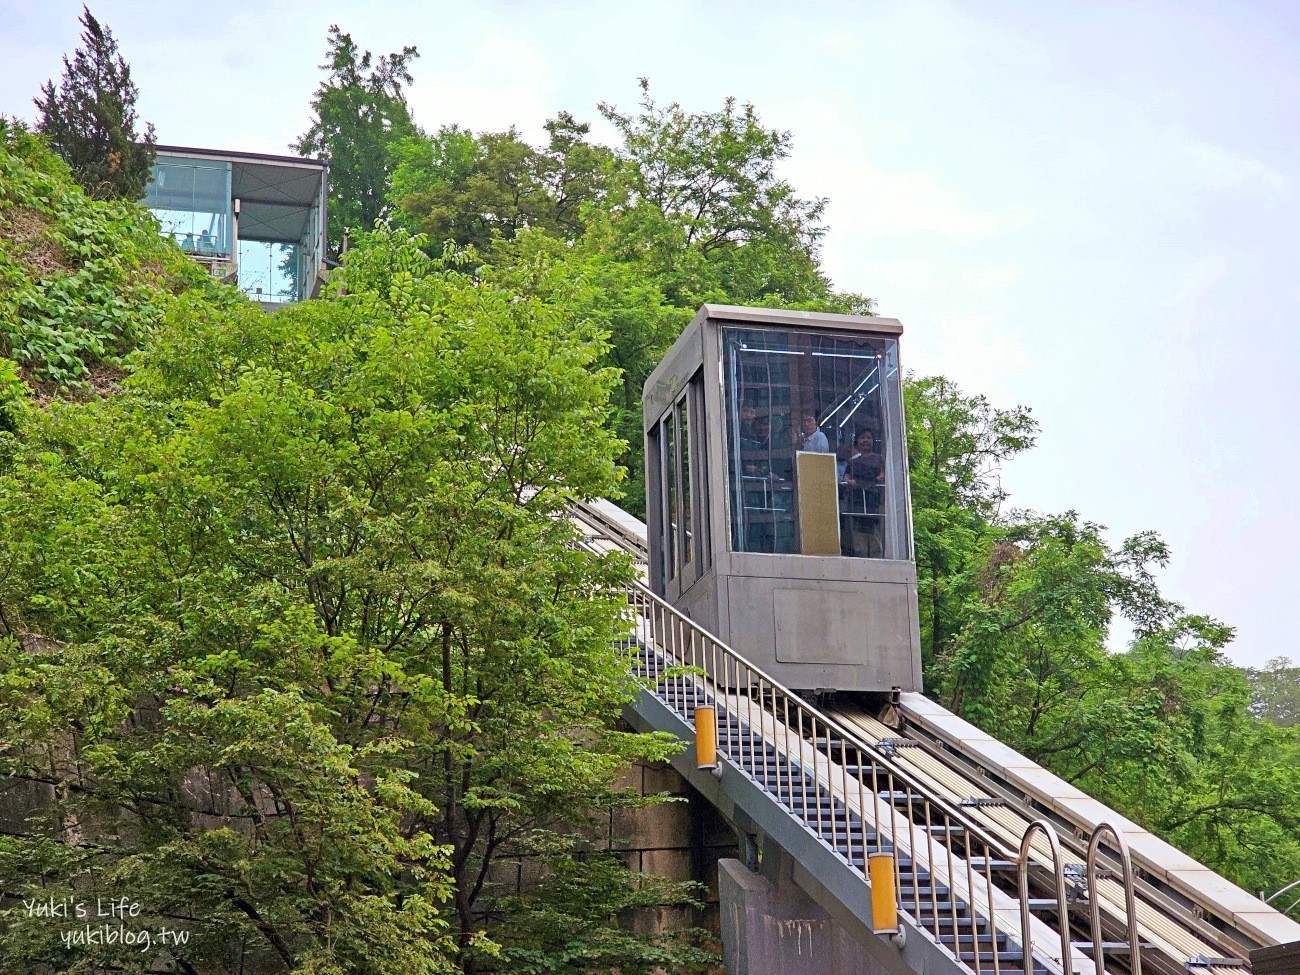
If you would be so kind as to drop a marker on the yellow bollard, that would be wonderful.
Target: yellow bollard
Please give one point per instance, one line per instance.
(884, 896)
(706, 738)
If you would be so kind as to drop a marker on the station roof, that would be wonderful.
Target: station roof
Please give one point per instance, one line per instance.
(275, 193)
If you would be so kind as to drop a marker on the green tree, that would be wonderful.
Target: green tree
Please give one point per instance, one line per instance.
(295, 642)
(1275, 688)
(577, 921)
(359, 113)
(631, 310)
(1016, 615)
(956, 447)
(90, 118)
(706, 211)
(478, 191)
(1238, 807)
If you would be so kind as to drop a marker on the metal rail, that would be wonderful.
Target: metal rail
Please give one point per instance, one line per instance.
(857, 799)
(1094, 899)
(1182, 923)
(846, 792)
(1023, 864)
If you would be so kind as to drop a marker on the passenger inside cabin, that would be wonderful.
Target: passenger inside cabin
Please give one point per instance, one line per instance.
(755, 442)
(863, 466)
(810, 436)
(861, 498)
(747, 416)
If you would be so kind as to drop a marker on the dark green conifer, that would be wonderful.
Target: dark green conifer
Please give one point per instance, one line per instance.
(90, 118)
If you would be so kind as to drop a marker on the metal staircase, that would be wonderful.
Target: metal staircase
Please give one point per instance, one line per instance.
(978, 876)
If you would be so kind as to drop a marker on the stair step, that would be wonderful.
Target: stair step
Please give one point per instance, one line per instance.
(926, 910)
(962, 922)
(859, 861)
(968, 941)
(1040, 904)
(1004, 956)
(993, 865)
(1109, 947)
(923, 893)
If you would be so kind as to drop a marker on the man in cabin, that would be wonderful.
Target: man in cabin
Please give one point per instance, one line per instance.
(810, 435)
(747, 417)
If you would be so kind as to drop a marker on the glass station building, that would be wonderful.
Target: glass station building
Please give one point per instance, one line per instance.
(256, 219)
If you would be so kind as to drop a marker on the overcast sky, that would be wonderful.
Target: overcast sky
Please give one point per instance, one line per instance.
(1090, 209)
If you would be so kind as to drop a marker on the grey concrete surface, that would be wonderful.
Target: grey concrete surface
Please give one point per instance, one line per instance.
(778, 930)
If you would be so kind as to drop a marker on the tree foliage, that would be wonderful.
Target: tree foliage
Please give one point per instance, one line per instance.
(706, 211)
(479, 191)
(90, 120)
(359, 113)
(578, 921)
(1017, 609)
(1275, 688)
(956, 445)
(294, 646)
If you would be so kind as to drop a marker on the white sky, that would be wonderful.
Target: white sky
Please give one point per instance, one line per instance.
(1090, 209)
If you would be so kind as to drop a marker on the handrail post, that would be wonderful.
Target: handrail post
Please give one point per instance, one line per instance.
(1062, 917)
(1130, 899)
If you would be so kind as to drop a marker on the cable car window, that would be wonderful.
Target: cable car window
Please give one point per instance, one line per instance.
(654, 495)
(700, 474)
(686, 541)
(669, 440)
(795, 394)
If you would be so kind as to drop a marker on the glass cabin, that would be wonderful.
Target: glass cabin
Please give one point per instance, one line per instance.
(253, 218)
(777, 496)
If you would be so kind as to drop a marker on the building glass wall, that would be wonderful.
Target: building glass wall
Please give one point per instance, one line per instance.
(271, 273)
(191, 199)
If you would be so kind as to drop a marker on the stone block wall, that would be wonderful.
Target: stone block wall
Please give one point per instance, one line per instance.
(681, 840)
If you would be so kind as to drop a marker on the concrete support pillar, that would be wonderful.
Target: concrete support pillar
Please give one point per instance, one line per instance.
(776, 929)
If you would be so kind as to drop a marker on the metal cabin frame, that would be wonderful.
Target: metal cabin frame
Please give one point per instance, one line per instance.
(814, 622)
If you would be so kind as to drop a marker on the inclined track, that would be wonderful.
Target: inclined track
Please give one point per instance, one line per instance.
(954, 827)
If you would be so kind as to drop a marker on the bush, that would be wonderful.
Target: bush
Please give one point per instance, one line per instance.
(82, 281)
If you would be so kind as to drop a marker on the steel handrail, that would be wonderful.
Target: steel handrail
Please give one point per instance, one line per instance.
(1278, 893)
(718, 670)
(842, 731)
(1094, 899)
(1062, 907)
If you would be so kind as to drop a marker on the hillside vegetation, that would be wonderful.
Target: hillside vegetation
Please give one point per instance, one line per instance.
(82, 281)
(292, 646)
